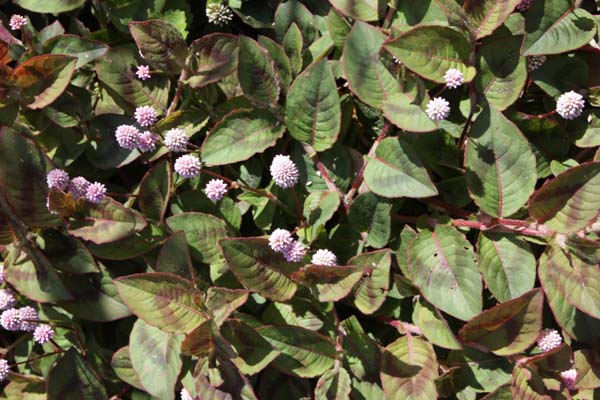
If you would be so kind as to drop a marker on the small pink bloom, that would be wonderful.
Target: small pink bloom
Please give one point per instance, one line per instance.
(127, 136)
(176, 140)
(295, 253)
(454, 78)
(57, 179)
(78, 186)
(147, 141)
(95, 192)
(17, 22)
(438, 109)
(324, 257)
(188, 166)
(143, 72)
(284, 171)
(215, 189)
(43, 333)
(145, 115)
(280, 240)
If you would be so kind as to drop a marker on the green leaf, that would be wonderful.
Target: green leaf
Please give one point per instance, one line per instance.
(367, 77)
(507, 328)
(334, 385)
(576, 279)
(370, 214)
(86, 50)
(23, 169)
(121, 364)
(163, 300)
(408, 369)
(304, 353)
(361, 352)
(371, 292)
(313, 113)
(282, 62)
(214, 58)
(174, 257)
(560, 74)
(240, 135)
(402, 111)
(292, 45)
(500, 165)
(507, 264)
(527, 384)
(65, 253)
(484, 372)
(442, 265)
(51, 6)
(330, 283)
(365, 10)
(396, 171)
(107, 222)
(74, 378)
(259, 268)
(487, 15)
(319, 207)
(254, 353)
(104, 152)
(574, 322)
(587, 364)
(155, 357)
(502, 74)
(155, 190)
(295, 12)
(160, 44)
(569, 202)
(257, 73)
(434, 326)
(221, 302)
(42, 79)
(553, 27)
(203, 232)
(430, 51)
(116, 73)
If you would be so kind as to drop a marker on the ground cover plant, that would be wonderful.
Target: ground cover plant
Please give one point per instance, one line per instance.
(353, 199)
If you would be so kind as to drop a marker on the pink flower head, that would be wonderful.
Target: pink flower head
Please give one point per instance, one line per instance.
(176, 140)
(11, 319)
(4, 370)
(524, 5)
(95, 192)
(284, 171)
(78, 186)
(215, 189)
(324, 257)
(7, 299)
(17, 22)
(280, 240)
(188, 166)
(28, 317)
(147, 141)
(57, 179)
(570, 105)
(43, 333)
(127, 136)
(143, 72)
(549, 339)
(185, 395)
(2, 275)
(569, 378)
(145, 115)
(295, 253)
(438, 109)
(454, 78)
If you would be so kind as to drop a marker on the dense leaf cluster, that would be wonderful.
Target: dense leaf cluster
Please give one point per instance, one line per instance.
(429, 228)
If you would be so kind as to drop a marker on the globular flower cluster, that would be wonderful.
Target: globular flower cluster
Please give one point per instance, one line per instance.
(43, 333)
(438, 109)
(215, 189)
(569, 378)
(145, 115)
(19, 319)
(281, 241)
(4, 370)
(8, 299)
(147, 141)
(534, 62)
(324, 257)
(17, 22)
(176, 140)
(284, 171)
(127, 136)
(57, 179)
(454, 78)
(79, 186)
(218, 14)
(2, 275)
(188, 166)
(143, 72)
(548, 339)
(570, 105)
(524, 5)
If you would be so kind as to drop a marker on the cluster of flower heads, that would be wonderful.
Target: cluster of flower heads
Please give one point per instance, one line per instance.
(284, 171)
(570, 105)
(17, 22)
(438, 108)
(550, 339)
(218, 14)
(524, 5)
(281, 241)
(26, 319)
(78, 186)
